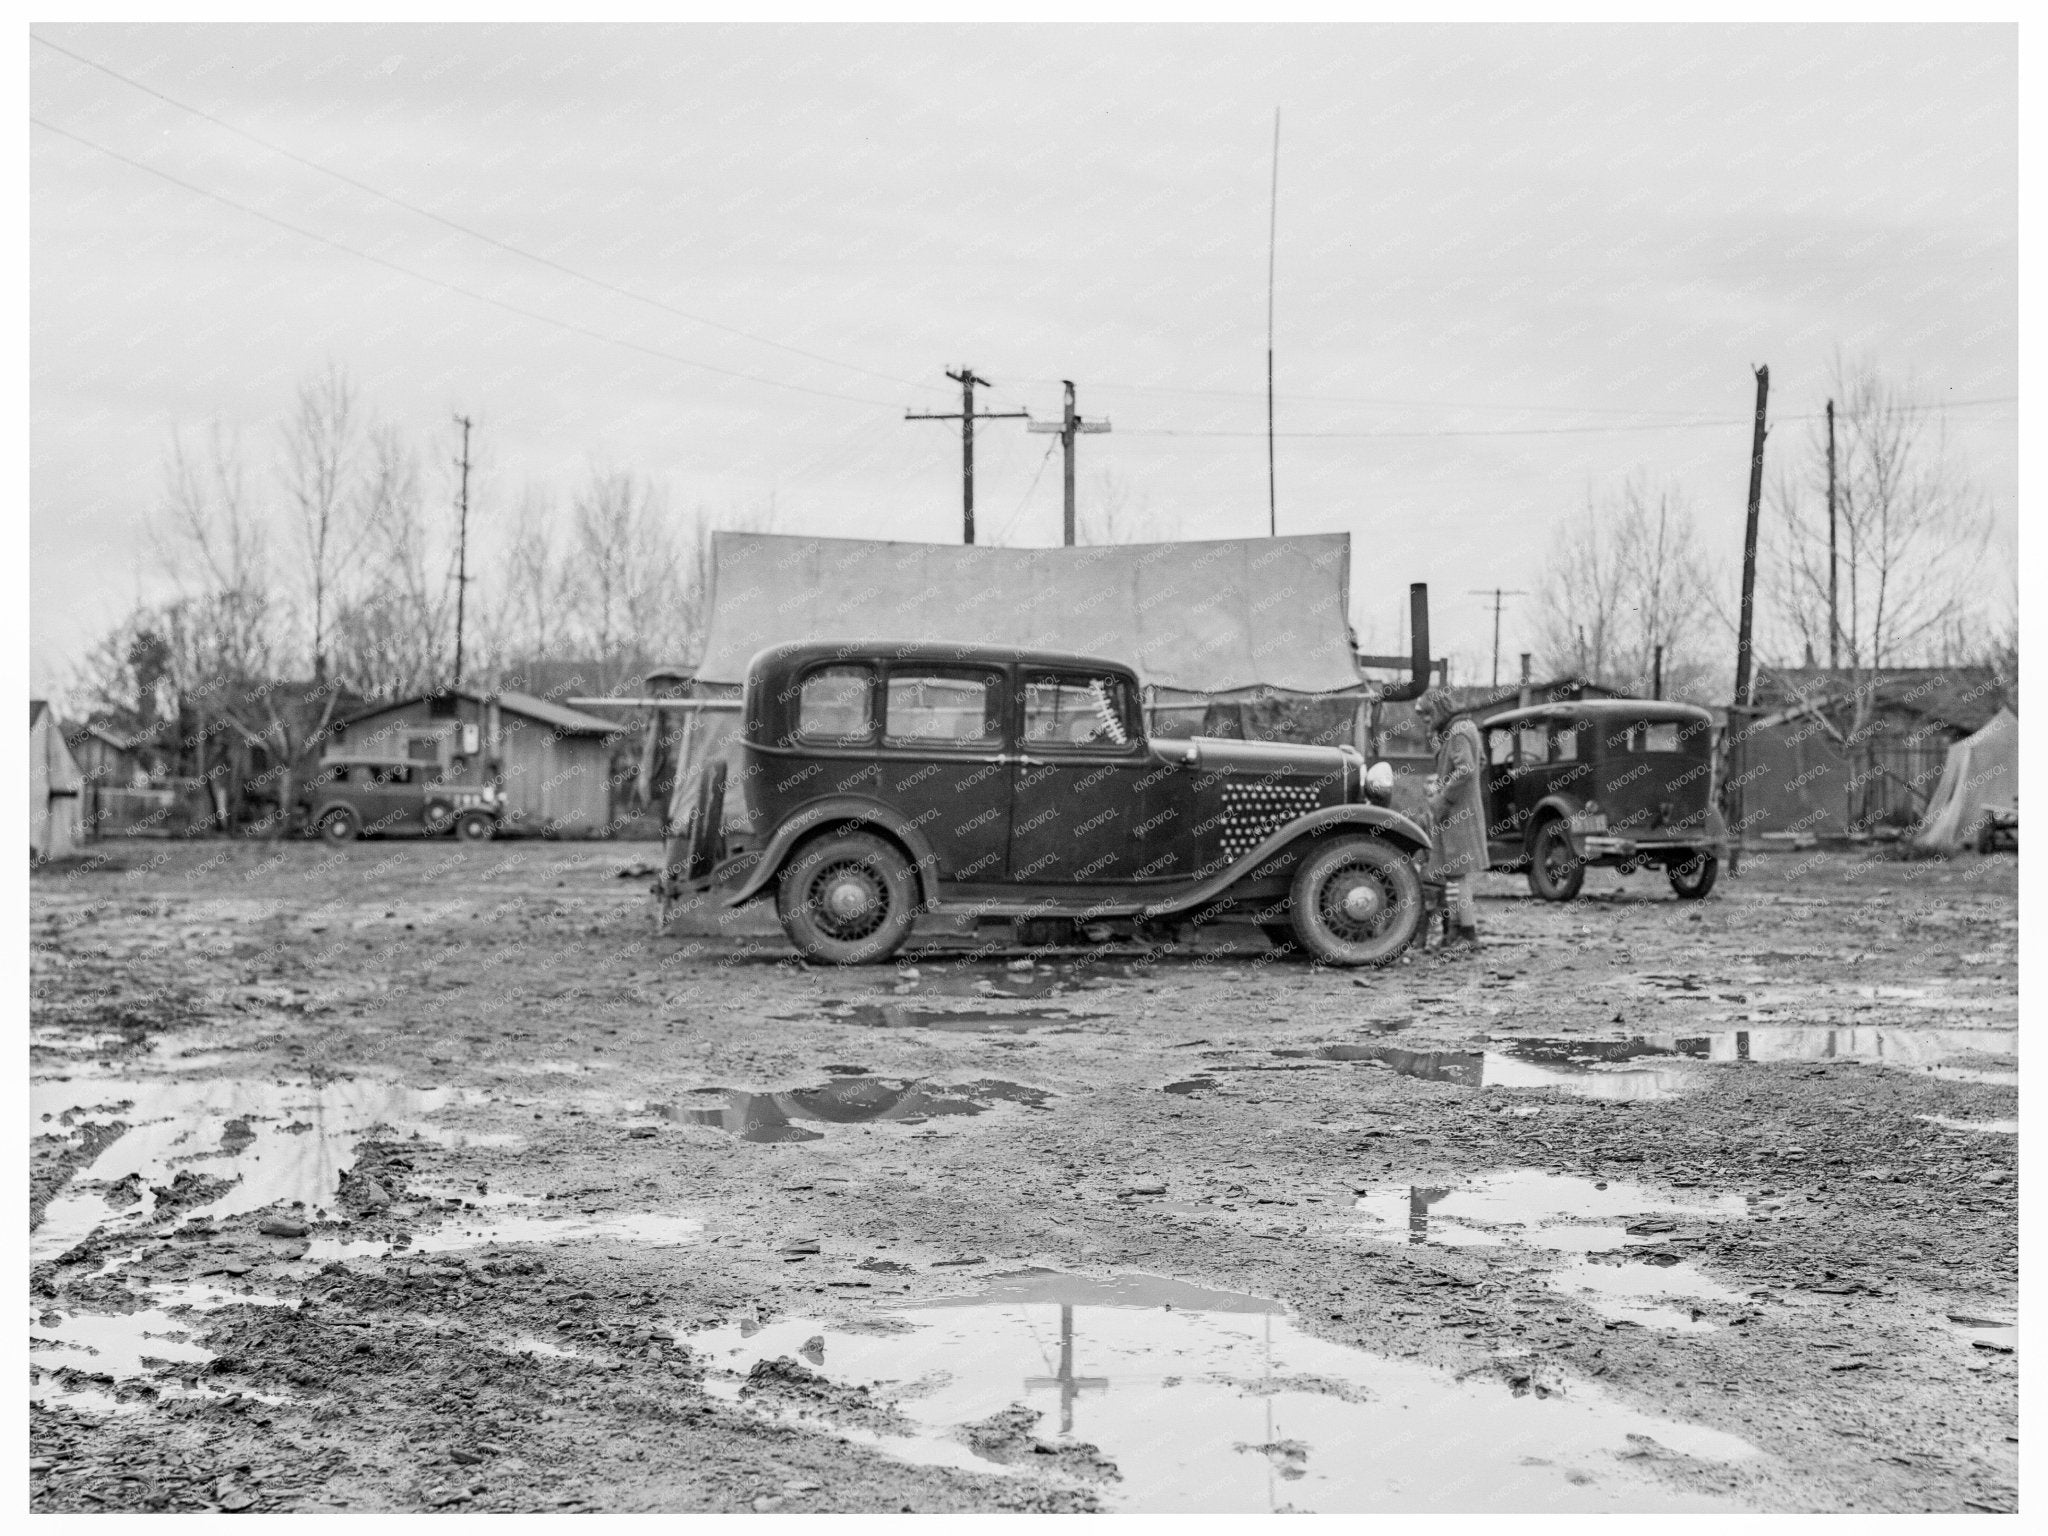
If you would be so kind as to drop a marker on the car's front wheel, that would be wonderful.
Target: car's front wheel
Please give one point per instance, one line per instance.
(847, 899)
(1693, 878)
(340, 826)
(1356, 901)
(475, 827)
(1555, 871)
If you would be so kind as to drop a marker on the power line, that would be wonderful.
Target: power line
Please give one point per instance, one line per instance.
(1018, 511)
(474, 234)
(482, 298)
(1660, 426)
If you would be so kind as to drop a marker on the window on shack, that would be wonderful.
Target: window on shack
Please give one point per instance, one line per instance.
(933, 705)
(834, 704)
(1079, 711)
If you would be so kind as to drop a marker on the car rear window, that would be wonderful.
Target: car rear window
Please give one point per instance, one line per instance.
(833, 705)
(943, 706)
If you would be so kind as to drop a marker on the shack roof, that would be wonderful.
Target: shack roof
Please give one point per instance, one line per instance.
(572, 721)
(1962, 698)
(1212, 616)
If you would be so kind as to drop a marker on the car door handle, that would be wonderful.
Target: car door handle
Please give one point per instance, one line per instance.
(1022, 759)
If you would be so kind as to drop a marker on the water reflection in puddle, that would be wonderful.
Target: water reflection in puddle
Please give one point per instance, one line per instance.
(771, 1117)
(1509, 1067)
(282, 1143)
(939, 978)
(1529, 1207)
(1650, 1295)
(1892, 1045)
(1213, 1402)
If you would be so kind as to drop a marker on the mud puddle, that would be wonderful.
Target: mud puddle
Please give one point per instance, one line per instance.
(1016, 1021)
(774, 1117)
(1167, 1396)
(1512, 1067)
(1986, 1333)
(1993, 1127)
(270, 1143)
(1529, 1207)
(1019, 978)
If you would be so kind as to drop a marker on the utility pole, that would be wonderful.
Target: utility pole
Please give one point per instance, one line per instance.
(1738, 710)
(1272, 249)
(1744, 684)
(461, 545)
(967, 417)
(1498, 594)
(1834, 626)
(1068, 424)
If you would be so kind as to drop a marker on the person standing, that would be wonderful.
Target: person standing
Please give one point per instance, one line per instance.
(1457, 813)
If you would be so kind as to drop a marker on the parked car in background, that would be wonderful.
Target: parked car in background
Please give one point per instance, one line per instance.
(882, 780)
(1625, 784)
(347, 798)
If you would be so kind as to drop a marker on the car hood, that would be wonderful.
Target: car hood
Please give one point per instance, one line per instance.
(1222, 753)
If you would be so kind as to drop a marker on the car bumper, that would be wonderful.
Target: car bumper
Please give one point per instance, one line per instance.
(1602, 845)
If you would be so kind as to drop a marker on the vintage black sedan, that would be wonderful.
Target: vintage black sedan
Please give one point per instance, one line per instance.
(1626, 784)
(882, 780)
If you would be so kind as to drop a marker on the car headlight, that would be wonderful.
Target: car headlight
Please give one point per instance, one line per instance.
(1379, 778)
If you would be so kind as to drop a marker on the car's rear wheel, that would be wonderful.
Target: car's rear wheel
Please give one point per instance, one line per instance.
(1356, 901)
(847, 899)
(475, 827)
(438, 817)
(1693, 878)
(1555, 871)
(340, 826)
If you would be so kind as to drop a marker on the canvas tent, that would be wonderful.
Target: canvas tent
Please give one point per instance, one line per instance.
(55, 814)
(1233, 619)
(1982, 773)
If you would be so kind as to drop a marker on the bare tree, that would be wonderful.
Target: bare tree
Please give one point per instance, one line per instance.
(1624, 578)
(625, 575)
(393, 636)
(322, 453)
(1114, 515)
(1911, 533)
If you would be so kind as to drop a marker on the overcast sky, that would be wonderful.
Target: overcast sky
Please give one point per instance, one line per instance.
(1512, 263)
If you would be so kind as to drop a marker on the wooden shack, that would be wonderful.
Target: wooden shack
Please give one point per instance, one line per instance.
(552, 763)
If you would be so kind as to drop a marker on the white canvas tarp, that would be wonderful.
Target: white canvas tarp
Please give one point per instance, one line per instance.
(1211, 617)
(1982, 773)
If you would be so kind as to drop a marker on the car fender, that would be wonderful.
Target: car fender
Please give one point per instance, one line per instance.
(337, 803)
(1392, 825)
(1563, 807)
(858, 809)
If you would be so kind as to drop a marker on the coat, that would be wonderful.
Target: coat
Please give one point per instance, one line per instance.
(1458, 808)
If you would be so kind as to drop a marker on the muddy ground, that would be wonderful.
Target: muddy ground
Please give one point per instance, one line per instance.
(1650, 1205)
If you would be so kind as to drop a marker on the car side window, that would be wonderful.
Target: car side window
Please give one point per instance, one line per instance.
(395, 773)
(836, 704)
(1535, 747)
(1500, 748)
(1660, 736)
(935, 705)
(362, 774)
(1564, 744)
(1077, 711)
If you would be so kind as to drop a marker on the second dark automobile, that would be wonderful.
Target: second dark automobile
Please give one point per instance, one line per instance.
(884, 779)
(1623, 783)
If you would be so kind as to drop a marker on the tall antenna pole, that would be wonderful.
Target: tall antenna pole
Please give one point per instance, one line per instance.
(1272, 249)
(1834, 625)
(461, 546)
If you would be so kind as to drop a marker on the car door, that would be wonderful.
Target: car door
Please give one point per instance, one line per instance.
(1077, 779)
(399, 797)
(943, 765)
(1502, 828)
